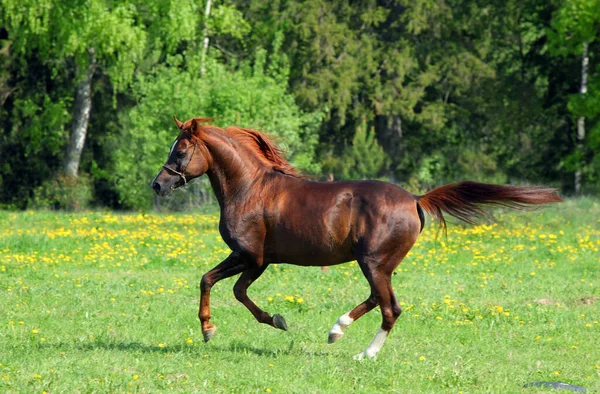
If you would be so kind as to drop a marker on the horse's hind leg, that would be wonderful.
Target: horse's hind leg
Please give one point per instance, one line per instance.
(337, 331)
(240, 292)
(390, 311)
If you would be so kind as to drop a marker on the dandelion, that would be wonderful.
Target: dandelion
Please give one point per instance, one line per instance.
(34, 331)
(421, 358)
(161, 345)
(189, 341)
(135, 377)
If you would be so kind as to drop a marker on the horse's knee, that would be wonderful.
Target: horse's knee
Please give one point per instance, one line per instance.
(396, 310)
(388, 313)
(206, 283)
(372, 302)
(389, 318)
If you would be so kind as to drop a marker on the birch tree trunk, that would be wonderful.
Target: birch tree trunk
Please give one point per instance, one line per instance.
(205, 40)
(81, 116)
(581, 121)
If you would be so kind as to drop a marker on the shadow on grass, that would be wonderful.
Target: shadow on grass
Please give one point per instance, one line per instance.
(242, 347)
(235, 347)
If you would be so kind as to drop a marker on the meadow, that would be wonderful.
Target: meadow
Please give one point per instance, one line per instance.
(106, 302)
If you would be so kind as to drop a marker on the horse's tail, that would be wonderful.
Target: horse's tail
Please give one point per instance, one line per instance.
(465, 200)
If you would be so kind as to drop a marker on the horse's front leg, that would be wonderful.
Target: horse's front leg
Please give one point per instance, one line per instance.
(232, 265)
(240, 292)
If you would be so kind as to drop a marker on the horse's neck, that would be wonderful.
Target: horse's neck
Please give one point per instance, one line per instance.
(231, 172)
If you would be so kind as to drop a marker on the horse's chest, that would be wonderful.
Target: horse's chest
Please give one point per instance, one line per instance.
(241, 232)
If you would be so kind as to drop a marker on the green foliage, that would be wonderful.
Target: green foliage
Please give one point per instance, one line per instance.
(252, 97)
(449, 90)
(364, 159)
(59, 31)
(574, 24)
(64, 193)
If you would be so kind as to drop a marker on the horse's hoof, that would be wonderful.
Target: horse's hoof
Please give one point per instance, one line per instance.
(209, 333)
(279, 322)
(358, 357)
(364, 355)
(335, 336)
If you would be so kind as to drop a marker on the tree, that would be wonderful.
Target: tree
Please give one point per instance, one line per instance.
(254, 97)
(576, 27)
(92, 34)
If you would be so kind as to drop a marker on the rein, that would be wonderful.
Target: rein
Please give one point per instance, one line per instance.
(183, 168)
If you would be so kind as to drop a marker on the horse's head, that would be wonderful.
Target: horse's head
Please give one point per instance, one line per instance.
(187, 160)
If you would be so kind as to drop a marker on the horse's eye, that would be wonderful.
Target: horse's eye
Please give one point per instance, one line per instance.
(180, 154)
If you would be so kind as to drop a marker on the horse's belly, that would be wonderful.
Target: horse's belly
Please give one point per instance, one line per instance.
(312, 257)
(309, 251)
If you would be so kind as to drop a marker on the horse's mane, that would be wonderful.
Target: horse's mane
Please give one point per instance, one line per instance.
(264, 149)
(261, 146)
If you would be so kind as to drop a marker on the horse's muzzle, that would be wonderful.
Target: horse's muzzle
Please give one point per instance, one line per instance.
(164, 189)
(156, 187)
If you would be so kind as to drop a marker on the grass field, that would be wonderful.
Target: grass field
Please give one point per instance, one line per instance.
(103, 302)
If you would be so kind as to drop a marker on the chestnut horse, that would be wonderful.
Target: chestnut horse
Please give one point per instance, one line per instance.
(272, 214)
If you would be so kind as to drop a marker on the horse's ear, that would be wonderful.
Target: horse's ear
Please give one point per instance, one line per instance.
(177, 122)
(194, 126)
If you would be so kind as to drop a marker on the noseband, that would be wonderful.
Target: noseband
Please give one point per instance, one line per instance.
(169, 169)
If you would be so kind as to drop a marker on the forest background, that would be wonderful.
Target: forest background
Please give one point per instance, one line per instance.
(420, 92)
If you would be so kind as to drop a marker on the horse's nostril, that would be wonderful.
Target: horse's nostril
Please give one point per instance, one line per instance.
(156, 186)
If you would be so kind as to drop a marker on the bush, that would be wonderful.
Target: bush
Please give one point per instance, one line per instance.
(63, 192)
(254, 97)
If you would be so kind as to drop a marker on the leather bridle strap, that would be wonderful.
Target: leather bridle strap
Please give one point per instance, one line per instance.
(183, 169)
(176, 173)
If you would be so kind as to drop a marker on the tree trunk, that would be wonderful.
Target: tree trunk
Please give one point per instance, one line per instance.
(581, 121)
(389, 136)
(81, 116)
(205, 40)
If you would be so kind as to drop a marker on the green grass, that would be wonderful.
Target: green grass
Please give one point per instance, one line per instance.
(99, 302)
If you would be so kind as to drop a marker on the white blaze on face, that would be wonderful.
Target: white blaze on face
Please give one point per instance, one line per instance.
(171, 151)
(173, 147)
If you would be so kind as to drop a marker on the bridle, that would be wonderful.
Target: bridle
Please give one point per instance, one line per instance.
(183, 168)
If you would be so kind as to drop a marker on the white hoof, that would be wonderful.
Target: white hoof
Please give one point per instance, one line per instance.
(337, 331)
(334, 336)
(376, 343)
(365, 355)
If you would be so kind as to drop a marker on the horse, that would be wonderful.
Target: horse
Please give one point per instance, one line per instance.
(271, 213)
